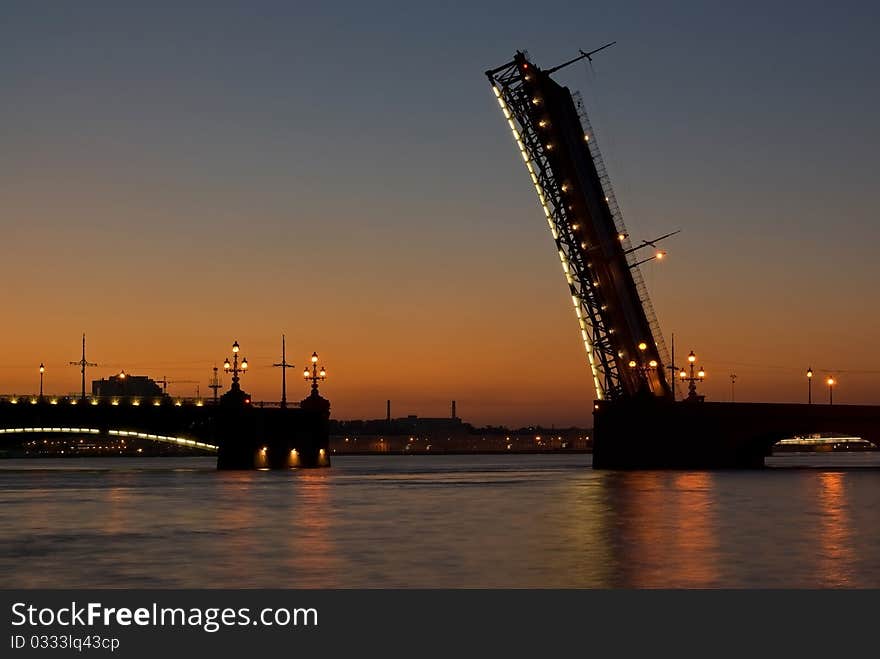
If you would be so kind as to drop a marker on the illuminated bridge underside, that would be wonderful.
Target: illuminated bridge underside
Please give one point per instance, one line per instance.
(165, 439)
(611, 304)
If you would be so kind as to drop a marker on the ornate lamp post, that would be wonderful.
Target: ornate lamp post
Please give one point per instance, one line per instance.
(831, 382)
(692, 379)
(317, 373)
(42, 370)
(641, 367)
(810, 385)
(235, 367)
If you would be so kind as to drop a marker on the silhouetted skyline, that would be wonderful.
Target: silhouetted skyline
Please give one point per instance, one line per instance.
(177, 178)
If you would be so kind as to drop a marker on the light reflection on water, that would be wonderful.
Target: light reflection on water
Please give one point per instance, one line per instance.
(439, 521)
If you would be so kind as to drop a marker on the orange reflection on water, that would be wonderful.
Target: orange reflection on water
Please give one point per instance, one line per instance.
(696, 544)
(237, 517)
(835, 536)
(311, 556)
(666, 526)
(117, 518)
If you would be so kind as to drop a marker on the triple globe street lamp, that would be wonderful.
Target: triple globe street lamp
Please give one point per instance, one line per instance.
(317, 373)
(693, 378)
(642, 367)
(235, 367)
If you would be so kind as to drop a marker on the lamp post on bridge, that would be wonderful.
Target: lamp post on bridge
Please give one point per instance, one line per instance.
(643, 368)
(692, 379)
(317, 373)
(831, 382)
(810, 385)
(42, 370)
(235, 367)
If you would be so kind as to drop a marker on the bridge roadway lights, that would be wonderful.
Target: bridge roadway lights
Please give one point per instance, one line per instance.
(645, 432)
(251, 437)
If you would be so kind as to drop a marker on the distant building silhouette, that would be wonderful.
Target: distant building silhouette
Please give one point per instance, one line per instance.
(126, 385)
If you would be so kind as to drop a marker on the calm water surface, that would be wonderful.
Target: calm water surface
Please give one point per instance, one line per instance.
(451, 521)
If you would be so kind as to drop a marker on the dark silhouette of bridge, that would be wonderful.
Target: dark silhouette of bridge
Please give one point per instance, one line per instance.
(243, 435)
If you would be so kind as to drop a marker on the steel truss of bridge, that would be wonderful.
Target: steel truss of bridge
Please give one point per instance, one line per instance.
(615, 316)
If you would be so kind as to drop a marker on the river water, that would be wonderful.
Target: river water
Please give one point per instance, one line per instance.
(439, 521)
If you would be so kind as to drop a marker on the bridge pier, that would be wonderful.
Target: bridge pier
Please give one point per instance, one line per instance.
(250, 437)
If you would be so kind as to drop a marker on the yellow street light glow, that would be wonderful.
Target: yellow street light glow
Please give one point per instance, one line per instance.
(244, 364)
(660, 255)
(306, 374)
(632, 364)
(42, 369)
(323, 373)
(121, 375)
(314, 357)
(235, 347)
(643, 346)
(692, 357)
(701, 373)
(682, 374)
(809, 372)
(226, 365)
(653, 363)
(830, 382)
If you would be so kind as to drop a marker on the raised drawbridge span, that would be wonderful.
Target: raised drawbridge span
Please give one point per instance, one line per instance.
(637, 423)
(561, 154)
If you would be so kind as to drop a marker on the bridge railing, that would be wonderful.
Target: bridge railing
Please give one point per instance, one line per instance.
(134, 401)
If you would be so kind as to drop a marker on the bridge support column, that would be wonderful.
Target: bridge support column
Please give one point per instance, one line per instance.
(271, 438)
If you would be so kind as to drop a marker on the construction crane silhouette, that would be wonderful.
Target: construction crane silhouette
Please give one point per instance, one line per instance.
(83, 363)
(165, 382)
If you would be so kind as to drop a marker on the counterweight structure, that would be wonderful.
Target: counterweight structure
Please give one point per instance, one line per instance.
(615, 315)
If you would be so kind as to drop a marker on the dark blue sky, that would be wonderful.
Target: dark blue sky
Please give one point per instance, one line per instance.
(350, 157)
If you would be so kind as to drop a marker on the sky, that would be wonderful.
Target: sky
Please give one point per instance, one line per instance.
(176, 176)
